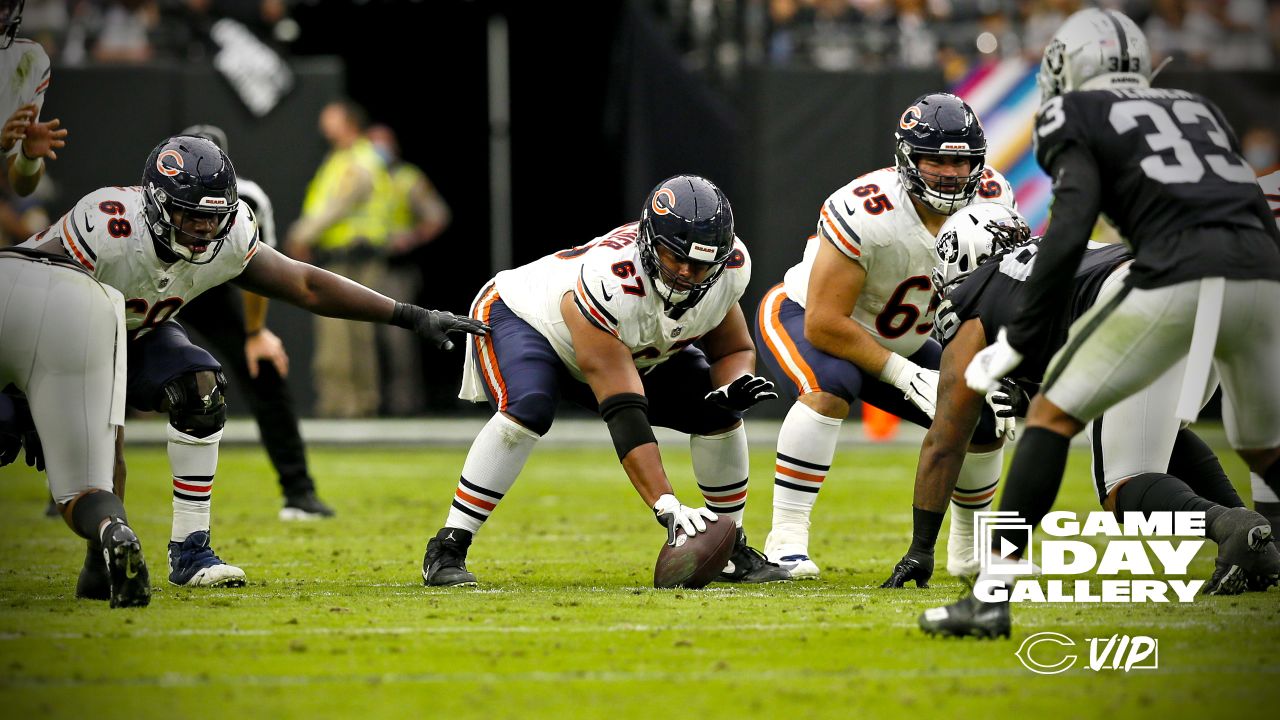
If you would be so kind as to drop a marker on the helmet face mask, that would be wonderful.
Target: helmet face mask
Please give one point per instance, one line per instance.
(940, 125)
(1092, 49)
(971, 237)
(189, 181)
(10, 21)
(690, 220)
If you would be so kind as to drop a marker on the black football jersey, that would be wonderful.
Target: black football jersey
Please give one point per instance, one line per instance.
(995, 291)
(1168, 162)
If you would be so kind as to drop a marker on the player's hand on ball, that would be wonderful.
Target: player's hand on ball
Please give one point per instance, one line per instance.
(992, 363)
(435, 325)
(671, 515)
(743, 393)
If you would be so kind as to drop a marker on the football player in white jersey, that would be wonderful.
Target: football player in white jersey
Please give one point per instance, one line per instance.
(852, 321)
(24, 78)
(62, 374)
(612, 326)
(162, 244)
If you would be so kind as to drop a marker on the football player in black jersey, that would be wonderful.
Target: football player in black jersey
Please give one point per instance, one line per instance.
(1166, 169)
(986, 254)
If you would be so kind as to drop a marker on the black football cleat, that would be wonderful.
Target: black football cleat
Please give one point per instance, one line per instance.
(305, 506)
(445, 563)
(968, 617)
(94, 582)
(1247, 556)
(126, 567)
(748, 565)
(918, 568)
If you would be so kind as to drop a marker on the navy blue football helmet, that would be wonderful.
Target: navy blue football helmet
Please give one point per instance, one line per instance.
(10, 20)
(192, 175)
(940, 124)
(691, 217)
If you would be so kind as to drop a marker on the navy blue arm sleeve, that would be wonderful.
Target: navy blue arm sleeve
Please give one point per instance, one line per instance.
(1076, 203)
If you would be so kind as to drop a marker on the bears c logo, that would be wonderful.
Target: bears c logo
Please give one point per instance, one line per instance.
(910, 118)
(664, 201)
(169, 169)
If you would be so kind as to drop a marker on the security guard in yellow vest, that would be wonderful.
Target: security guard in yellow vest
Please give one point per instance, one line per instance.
(417, 214)
(344, 228)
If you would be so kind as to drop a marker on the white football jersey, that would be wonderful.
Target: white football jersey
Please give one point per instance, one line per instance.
(24, 77)
(107, 233)
(872, 221)
(1271, 188)
(611, 289)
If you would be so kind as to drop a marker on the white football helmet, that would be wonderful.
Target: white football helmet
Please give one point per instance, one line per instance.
(1095, 49)
(971, 236)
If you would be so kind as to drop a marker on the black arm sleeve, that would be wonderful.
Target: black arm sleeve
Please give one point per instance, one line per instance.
(1076, 204)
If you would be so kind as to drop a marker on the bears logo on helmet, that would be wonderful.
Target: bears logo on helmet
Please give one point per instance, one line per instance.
(169, 169)
(663, 201)
(187, 177)
(691, 219)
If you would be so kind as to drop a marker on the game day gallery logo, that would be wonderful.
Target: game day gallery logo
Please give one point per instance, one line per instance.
(1139, 560)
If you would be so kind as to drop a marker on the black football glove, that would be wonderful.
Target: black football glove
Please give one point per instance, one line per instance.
(912, 566)
(1009, 400)
(742, 393)
(434, 325)
(18, 429)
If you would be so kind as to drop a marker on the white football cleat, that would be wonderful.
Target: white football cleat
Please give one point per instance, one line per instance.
(790, 551)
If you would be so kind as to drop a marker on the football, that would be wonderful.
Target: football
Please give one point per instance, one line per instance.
(695, 561)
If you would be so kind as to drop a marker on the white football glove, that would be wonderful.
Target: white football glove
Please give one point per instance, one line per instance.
(919, 385)
(992, 363)
(671, 514)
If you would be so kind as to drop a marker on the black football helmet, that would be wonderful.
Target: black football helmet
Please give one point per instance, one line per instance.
(10, 20)
(689, 216)
(940, 124)
(192, 175)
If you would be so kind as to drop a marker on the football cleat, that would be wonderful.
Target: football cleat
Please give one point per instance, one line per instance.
(193, 564)
(1247, 556)
(968, 617)
(445, 562)
(911, 567)
(305, 506)
(748, 565)
(791, 553)
(126, 567)
(94, 582)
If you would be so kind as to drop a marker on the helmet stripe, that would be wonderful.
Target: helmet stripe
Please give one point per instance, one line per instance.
(1122, 37)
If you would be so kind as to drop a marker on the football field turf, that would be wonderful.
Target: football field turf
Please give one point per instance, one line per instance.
(335, 621)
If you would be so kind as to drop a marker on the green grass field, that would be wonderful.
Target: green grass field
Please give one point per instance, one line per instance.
(335, 621)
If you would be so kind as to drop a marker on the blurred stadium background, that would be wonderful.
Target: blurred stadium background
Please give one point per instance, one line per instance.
(544, 124)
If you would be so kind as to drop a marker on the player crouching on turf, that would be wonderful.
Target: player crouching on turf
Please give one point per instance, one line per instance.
(1143, 461)
(185, 230)
(611, 326)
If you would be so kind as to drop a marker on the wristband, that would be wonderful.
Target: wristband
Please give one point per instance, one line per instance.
(894, 368)
(25, 165)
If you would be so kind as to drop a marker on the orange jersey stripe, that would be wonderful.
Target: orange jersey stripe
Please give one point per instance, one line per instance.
(768, 318)
(489, 369)
(71, 243)
(834, 228)
(790, 351)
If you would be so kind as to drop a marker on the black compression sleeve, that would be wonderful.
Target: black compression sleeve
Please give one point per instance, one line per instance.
(1076, 204)
(627, 415)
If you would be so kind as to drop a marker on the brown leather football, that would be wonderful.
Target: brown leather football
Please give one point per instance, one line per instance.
(695, 561)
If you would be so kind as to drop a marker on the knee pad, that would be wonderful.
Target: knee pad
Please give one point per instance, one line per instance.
(535, 411)
(196, 402)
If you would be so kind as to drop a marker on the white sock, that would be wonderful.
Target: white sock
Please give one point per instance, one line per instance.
(806, 445)
(497, 456)
(194, 461)
(975, 487)
(721, 465)
(1262, 492)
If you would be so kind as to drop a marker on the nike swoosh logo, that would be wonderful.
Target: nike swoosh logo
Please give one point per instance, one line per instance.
(846, 207)
(130, 571)
(87, 226)
(607, 296)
